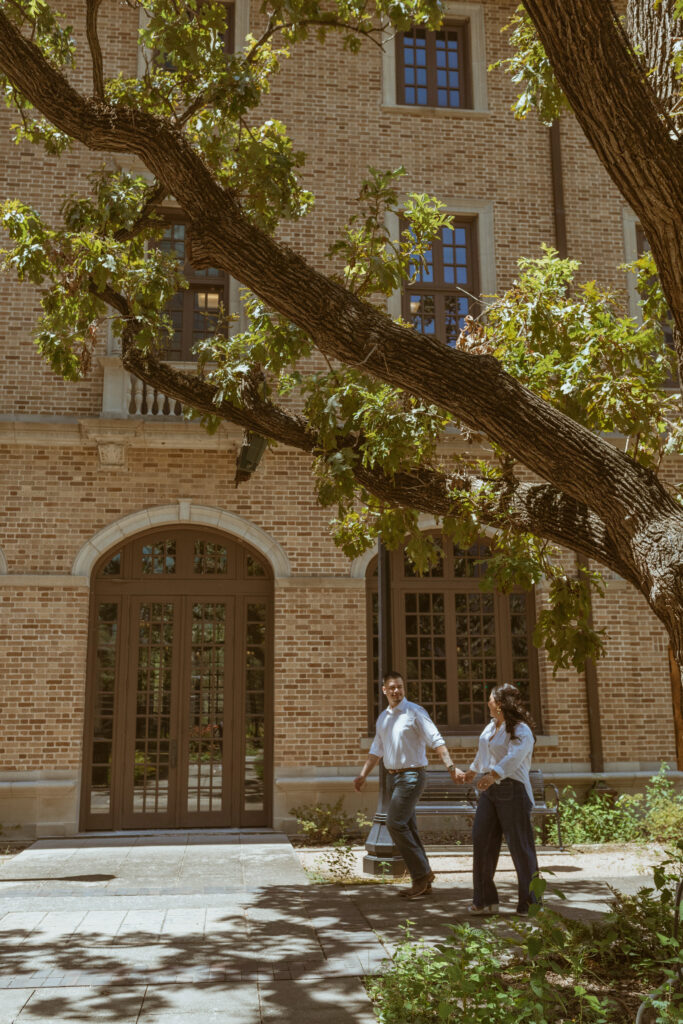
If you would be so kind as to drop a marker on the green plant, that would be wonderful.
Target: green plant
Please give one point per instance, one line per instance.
(325, 824)
(550, 970)
(656, 814)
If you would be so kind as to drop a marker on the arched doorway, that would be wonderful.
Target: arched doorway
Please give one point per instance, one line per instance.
(178, 718)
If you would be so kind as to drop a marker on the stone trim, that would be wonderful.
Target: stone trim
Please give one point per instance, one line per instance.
(55, 581)
(467, 742)
(3, 563)
(318, 583)
(474, 15)
(182, 512)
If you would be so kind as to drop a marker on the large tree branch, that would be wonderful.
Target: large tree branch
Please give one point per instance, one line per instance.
(652, 38)
(626, 497)
(534, 508)
(624, 120)
(91, 11)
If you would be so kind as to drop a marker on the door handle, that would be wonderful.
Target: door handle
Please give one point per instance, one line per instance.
(173, 753)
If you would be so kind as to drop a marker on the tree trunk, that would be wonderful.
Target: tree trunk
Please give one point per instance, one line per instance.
(677, 701)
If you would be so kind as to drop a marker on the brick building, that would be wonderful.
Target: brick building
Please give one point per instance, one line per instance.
(177, 651)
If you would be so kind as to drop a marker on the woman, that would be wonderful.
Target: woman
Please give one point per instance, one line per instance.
(504, 807)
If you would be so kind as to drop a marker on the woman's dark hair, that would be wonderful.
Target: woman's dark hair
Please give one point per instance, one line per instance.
(509, 700)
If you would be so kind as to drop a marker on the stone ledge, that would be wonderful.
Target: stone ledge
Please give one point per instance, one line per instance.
(43, 580)
(469, 742)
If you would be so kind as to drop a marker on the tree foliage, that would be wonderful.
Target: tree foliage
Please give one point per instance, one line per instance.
(376, 448)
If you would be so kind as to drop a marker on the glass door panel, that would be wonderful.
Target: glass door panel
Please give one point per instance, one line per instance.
(255, 708)
(153, 752)
(104, 675)
(205, 704)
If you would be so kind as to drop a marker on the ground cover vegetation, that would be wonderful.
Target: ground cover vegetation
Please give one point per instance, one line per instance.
(534, 384)
(653, 816)
(551, 970)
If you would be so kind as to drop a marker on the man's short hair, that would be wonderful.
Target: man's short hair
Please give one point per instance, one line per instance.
(392, 675)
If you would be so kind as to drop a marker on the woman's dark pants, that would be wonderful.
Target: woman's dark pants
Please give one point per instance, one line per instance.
(406, 790)
(504, 809)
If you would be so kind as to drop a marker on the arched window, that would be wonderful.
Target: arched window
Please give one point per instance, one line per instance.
(453, 641)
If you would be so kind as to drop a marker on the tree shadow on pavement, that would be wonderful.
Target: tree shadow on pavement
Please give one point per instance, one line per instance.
(292, 940)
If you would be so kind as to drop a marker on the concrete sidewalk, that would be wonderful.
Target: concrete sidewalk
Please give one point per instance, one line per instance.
(224, 925)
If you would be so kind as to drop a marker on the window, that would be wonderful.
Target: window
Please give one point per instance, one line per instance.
(443, 73)
(445, 288)
(453, 641)
(672, 381)
(432, 68)
(194, 312)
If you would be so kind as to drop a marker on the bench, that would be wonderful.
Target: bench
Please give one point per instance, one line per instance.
(442, 796)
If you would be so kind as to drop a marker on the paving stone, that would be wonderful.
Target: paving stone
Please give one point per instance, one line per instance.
(315, 1002)
(231, 1000)
(11, 1003)
(79, 1005)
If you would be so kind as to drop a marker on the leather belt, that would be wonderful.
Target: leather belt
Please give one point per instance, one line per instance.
(399, 771)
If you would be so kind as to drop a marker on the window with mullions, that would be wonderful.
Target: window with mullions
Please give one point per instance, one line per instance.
(667, 324)
(452, 641)
(432, 68)
(444, 290)
(195, 311)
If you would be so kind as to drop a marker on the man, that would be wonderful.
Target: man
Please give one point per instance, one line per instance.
(403, 732)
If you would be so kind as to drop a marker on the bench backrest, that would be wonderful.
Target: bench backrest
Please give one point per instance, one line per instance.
(439, 786)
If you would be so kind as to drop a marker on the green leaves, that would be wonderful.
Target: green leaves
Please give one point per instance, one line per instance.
(567, 342)
(530, 68)
(564, 628)
(103, 248)
(375, 262)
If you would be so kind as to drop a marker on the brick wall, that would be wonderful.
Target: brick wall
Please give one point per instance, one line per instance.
(56, 494)
(43, 640)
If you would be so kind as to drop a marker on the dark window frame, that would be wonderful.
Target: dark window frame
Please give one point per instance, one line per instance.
(441, 290)
(449, 584)
(199, 281)
(461, 31)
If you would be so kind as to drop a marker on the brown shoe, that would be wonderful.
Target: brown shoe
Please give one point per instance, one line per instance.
(420, 887)
(410, 893)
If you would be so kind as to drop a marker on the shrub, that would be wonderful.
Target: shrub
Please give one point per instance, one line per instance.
(553, 970)
(657, 814)
(326, 824)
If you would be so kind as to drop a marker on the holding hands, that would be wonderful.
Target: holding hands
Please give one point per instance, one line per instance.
(486, 781)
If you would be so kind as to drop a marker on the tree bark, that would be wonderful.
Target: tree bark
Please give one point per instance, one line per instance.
(623, 118)
(651, 30)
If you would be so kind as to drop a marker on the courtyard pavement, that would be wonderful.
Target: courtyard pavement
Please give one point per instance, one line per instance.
(218, 926)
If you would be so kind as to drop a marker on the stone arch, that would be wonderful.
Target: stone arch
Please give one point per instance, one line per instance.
(184, 512)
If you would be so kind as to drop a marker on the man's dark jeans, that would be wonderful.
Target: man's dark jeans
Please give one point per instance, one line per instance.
(406, 789)
(503, 810)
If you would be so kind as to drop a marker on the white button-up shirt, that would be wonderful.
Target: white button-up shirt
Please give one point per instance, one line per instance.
(403, 734)
(510, 756)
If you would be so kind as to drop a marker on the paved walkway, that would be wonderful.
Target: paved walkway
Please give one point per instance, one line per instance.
(223, 926)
